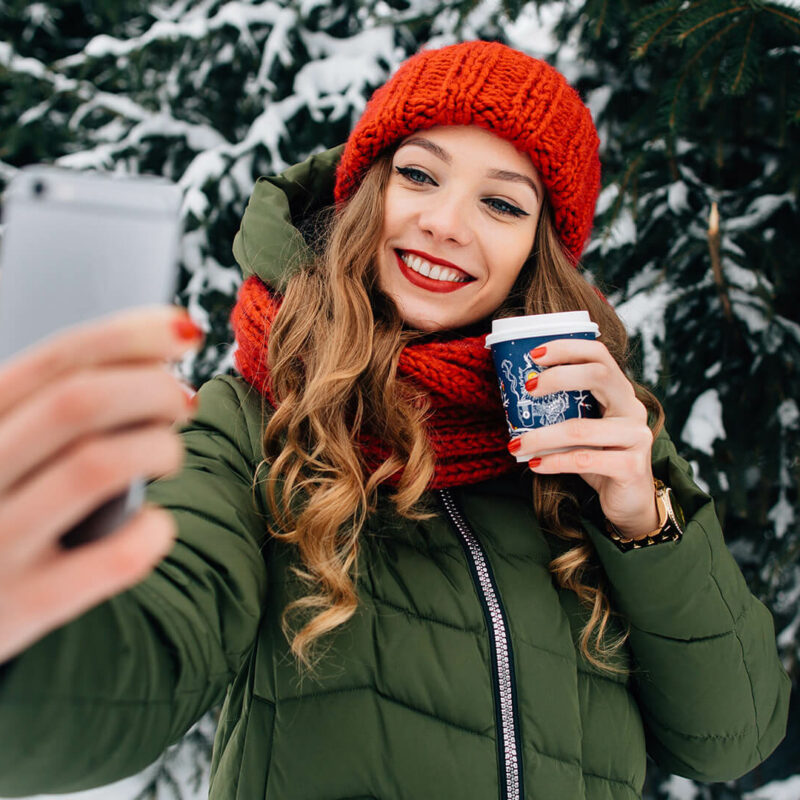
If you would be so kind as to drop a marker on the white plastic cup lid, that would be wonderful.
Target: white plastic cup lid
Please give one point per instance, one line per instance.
(532, 325)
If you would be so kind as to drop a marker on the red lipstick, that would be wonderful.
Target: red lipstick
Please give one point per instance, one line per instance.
(431, 284)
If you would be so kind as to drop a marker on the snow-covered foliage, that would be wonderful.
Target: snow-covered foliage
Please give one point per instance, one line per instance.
(181, 773)
(777, 790)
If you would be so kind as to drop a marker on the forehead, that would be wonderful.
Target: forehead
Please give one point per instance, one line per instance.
(469, 144)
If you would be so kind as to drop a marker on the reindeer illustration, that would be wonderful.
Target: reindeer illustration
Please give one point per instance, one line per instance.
(550, 409)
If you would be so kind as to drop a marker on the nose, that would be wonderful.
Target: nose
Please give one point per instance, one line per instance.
(445, 217)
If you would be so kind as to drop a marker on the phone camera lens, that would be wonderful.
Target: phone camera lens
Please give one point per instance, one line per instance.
(39, 189)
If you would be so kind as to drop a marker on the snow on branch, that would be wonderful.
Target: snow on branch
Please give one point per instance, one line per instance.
(192, 25)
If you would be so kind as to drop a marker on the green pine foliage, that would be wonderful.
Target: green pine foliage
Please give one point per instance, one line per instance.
(695, 239)
(728, 47)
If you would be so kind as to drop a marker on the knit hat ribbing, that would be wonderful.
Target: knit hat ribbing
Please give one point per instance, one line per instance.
(513, 95)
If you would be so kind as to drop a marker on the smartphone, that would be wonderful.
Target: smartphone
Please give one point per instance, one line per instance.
(77, 246)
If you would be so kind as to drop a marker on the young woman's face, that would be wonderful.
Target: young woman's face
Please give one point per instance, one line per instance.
(461, 210)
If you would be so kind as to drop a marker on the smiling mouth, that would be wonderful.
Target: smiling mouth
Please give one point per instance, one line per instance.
(433, 271)
(449, 280)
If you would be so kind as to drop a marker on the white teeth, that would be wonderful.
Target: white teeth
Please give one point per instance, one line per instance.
(435, 271)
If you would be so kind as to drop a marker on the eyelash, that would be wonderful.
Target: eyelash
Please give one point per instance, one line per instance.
(503, 208)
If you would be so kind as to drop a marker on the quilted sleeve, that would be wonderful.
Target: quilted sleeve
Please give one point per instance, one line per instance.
(101, 698)
(712, 692)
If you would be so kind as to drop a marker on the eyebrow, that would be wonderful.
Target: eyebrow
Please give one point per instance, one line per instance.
(497, 174)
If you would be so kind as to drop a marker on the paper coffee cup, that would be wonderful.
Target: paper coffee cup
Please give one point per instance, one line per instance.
(511, 341)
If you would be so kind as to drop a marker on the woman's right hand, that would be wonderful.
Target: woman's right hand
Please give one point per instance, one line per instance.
(81, 415)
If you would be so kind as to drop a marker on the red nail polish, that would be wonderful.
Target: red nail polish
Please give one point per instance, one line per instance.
(534, 462)
(539, 351)
(192, 402)
(530, 384)
(514, 445)
(185, 329)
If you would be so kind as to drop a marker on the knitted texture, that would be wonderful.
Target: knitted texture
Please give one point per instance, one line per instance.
(517, 97)
(467, 428)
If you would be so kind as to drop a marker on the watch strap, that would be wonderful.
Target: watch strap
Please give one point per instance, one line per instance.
(670, 518)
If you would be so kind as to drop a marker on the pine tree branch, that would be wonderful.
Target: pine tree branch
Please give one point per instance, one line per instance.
(690, 63)
(601, 19)
(783, 120)
(694, 4)
(716, 262)
(709, 20)
(672, 160)
(711, 81)
(643, 48)
(788, 18)
(655, 13)
(742, 63)
(615, 209)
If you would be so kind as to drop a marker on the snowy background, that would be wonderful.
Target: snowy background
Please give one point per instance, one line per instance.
(695, 237)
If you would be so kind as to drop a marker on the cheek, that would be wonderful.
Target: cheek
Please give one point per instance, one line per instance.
(394, 214)
(511, 253)
(402, 212)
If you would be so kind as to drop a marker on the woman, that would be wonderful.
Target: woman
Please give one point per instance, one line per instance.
(390, 606)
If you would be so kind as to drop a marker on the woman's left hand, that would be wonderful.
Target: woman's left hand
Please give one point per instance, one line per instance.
(614, 451)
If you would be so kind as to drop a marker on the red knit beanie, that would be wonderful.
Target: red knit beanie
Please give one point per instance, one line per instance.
(513, 95)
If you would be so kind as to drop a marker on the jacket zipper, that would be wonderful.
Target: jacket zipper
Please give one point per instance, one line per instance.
(508, 744)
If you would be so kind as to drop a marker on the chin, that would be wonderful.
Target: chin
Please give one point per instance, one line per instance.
(426, 324)
(477, 328)
(455, 330)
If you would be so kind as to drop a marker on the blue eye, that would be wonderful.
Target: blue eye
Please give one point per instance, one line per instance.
(416, 175)
(501, 207)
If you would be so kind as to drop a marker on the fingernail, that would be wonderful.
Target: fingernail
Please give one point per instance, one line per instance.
(534, 462)
(185, 329)
(539, 351)
(514, 445)
(530, 384)
(192, 402)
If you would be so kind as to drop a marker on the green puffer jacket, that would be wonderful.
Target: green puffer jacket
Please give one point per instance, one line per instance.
(458, 677)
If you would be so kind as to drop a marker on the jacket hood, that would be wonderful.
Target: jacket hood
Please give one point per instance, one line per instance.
(269, 242)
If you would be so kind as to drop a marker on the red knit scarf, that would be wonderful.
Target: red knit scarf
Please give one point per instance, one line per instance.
(467, 428)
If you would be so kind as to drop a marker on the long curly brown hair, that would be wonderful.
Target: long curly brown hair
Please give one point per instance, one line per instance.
(333, 354)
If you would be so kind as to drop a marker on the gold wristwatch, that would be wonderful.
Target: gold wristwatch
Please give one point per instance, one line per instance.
(670, 518)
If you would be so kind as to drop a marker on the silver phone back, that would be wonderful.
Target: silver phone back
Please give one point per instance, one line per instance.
(78, 246)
